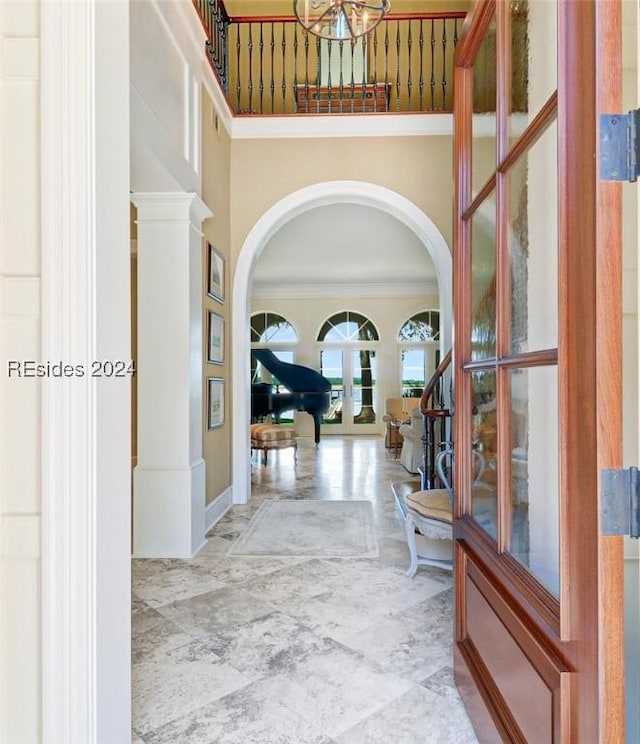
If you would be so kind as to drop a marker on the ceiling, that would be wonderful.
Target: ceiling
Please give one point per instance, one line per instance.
(343, 244)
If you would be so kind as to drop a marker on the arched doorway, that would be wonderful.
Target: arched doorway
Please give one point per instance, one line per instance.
(296, 203)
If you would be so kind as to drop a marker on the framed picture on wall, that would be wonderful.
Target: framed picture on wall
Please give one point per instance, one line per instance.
(215, 402)
(215, 337)
(215, 274)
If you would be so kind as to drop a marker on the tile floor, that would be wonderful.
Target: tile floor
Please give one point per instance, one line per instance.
(242, 650)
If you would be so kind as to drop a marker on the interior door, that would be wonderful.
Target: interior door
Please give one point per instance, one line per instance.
(353, 375)
(537, 294)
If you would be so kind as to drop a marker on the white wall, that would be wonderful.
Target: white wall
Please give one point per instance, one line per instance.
(20, 474)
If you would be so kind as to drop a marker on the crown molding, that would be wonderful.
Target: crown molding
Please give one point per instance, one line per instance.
(264, 290)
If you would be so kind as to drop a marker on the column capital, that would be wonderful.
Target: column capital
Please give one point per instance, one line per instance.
(170, 206)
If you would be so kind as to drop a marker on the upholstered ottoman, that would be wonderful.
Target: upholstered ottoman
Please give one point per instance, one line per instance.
(272, 436)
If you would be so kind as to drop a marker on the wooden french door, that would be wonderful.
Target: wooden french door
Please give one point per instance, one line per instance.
(537, 294)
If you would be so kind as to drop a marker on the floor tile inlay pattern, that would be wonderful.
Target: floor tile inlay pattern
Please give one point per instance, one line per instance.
(298, 650)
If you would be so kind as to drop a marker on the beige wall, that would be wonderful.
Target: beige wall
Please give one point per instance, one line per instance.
(216, 154)
(265, 171)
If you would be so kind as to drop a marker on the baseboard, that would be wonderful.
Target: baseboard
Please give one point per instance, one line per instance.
(218, 508)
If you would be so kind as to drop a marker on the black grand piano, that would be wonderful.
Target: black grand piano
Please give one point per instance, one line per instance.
(308, 390)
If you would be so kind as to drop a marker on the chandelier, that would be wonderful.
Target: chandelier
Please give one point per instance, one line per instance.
(339, 20)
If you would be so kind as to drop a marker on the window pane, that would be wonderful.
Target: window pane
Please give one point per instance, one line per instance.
(485, 439)
(535, 531)
(270, 327)
(421, 327)
(413, 371)
(484, 109)
(483, 260)
(534, 60)
(364, 386)
(348, 326)
(331, 368)
(533, 246)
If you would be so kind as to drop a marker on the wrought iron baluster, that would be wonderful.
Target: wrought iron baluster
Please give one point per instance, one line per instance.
(386, 53)
(295, 62)
(223, 52)
(421, 81)
(433, 65)
(306, 72)
(283, 85)
(409, 78)
(261, 60)
(238, 85)
(272, 79)
(329, 101)
(250, 82)
(317, 75)
(397, 65)
(444, 56)
(341, 77)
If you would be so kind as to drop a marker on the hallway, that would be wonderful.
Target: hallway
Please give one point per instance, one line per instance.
(239, 650)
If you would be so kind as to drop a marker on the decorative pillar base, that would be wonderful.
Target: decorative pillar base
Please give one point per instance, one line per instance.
(168, 511)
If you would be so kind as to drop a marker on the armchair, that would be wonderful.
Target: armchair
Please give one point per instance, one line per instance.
(396, 412)
(411, 433)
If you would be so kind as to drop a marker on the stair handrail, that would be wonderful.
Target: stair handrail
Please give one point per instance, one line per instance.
(432, 384)
(435, 439)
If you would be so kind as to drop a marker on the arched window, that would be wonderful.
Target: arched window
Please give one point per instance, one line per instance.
(269, 328)
(424, 326)
(348, 326)
(276, 332)
(419, 351)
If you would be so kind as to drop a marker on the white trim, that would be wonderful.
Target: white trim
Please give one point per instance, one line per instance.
(85, 454)
(218, 508)
(310, 197)
(343, 125)
(311, 291)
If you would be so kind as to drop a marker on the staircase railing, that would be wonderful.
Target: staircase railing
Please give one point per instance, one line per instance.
(436, 405)
(268, 65)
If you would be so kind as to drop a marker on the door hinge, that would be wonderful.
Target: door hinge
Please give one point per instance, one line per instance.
(619, 500)
(619, 147)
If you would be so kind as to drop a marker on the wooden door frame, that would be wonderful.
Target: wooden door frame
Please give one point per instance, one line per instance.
(578, 640)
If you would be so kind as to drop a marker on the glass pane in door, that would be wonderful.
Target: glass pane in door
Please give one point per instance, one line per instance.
(331, 367)
(533, 246)
(484, 434)
(483, 268)
(534, 60)
(414, 364)
(484, 102)
(535, 533)
(364, 386)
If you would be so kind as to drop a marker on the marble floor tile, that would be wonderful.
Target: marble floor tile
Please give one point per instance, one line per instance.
(176, 682)
(411, 650)
(272, 644)
(442, 683)
(157, 583)
(298, 650)
(219, 610)
(152, 632)
(417, 717)
(244, 717)
(334, 689)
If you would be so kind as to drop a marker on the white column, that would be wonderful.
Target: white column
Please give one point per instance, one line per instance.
(169, 480)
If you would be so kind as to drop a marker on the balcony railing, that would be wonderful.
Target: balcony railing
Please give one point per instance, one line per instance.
(271, 66)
